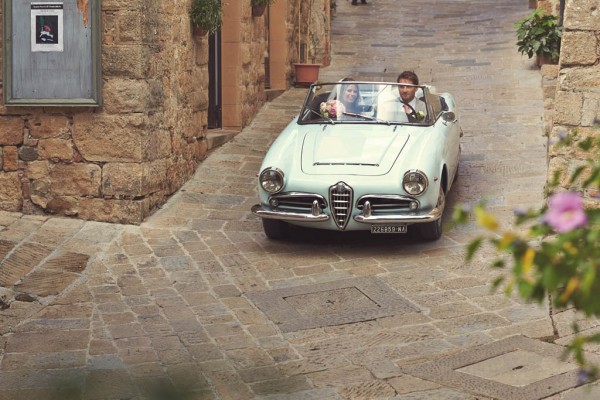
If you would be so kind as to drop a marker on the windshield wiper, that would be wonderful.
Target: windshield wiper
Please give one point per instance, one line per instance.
(367, 117)
(359, 116)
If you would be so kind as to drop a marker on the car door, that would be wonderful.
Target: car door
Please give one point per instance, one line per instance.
(449, 129)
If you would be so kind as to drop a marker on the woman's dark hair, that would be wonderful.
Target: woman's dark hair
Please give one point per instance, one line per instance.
(409, 75)
(354, 105)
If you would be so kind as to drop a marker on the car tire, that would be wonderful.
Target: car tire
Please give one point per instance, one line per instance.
(433, 230)
(275, 229)
(456, 175)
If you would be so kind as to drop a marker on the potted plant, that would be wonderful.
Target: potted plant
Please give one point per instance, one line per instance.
(539, 35)
(259, 6)
(305, 73)
(206, 16)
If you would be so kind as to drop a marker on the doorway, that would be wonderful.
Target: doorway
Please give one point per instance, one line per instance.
(215, 99)
(267, 56)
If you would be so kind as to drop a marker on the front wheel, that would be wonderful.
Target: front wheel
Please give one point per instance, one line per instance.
(433, 230)
(456, 174)
(275, 229)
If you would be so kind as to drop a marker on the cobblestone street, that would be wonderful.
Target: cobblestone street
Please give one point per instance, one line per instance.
(197, 299)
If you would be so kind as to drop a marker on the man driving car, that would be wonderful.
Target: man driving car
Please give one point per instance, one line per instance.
(407, 107)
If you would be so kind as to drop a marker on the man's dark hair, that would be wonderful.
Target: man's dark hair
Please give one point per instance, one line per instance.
(409, 75)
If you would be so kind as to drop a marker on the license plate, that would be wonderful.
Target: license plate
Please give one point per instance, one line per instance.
(388, 229)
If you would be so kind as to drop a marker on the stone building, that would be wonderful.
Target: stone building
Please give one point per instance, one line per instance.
(549, 6)
(577, 91)
(163, 89)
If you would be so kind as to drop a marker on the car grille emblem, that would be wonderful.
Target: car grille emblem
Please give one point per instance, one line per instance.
(340, 198)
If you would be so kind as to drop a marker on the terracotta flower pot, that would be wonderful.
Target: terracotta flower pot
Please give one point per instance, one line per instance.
(541, 60)
(200, 31)
(306, 74)
(259, 10)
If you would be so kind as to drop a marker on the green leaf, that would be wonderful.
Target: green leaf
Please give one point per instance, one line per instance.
(525, 289)
(497, 281)
(460, 215)
(593, 179)
(576, 173)
(472, 248)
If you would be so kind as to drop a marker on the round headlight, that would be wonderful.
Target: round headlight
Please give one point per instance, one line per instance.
(415, 182)
(271, 179)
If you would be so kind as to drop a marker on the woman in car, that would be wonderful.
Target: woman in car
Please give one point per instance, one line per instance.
(343, 99)
(350, 96)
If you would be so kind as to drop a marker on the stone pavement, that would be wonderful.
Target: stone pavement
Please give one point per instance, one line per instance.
(196, 303)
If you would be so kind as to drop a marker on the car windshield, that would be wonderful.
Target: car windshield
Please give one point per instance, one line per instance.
(366, 102)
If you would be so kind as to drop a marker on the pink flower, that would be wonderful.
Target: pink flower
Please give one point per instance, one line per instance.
(331, 108)
(565, 212)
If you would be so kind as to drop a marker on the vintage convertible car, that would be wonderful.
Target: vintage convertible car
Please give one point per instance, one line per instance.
(373, 165)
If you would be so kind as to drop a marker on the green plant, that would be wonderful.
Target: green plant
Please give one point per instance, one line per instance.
(540, 35)
(555, 254)
(206, 14)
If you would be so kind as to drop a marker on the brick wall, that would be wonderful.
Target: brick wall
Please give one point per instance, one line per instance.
(577, 98)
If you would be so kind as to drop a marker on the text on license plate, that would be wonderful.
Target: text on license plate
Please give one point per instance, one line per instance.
(388, 228)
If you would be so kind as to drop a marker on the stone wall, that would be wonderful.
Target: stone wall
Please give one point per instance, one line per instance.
(118, 162)
(313, 31)
(551, 7)
(321, 30)
(243, 49)
(577, 98)
(251, 74)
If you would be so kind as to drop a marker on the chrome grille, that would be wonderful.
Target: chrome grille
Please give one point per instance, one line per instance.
(297, 201)
(340, 199)
(386, 202)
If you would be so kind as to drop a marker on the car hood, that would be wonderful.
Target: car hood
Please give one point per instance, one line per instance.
(352, 149)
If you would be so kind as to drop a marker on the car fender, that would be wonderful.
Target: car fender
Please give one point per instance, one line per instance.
(286, 147)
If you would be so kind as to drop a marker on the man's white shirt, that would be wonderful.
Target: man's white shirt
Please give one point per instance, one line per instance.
(393, 110)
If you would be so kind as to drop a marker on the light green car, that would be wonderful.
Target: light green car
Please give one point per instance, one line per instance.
(371, 165)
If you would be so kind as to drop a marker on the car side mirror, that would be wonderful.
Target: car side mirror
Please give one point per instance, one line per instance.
(449, 116)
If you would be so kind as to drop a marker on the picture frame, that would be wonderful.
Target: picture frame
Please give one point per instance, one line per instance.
(52, 53)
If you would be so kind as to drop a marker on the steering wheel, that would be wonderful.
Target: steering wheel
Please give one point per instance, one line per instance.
(413, 112)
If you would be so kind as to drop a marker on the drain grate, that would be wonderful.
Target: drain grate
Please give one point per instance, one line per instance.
(516, 368)
(331, 303)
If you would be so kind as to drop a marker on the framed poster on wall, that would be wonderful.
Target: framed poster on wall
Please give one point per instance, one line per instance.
(47, 27)
(51, 53)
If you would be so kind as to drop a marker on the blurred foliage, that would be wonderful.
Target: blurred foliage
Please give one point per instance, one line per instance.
(553, 252)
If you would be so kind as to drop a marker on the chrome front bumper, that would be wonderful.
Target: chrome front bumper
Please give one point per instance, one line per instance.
(315, 216)
(365, 217)
(433, 215)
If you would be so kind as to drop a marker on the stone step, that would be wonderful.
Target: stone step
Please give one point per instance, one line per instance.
(272, 94)
(218, 137)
